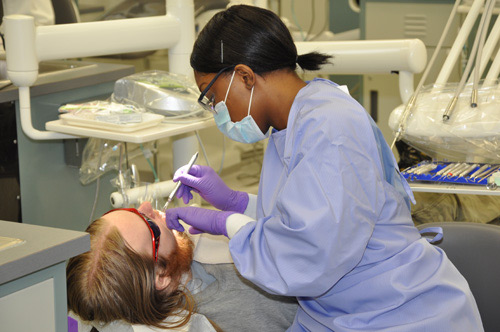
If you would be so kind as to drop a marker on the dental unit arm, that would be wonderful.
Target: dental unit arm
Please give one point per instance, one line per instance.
(403, 56)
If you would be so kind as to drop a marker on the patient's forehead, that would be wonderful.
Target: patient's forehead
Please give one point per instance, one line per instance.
(133, 229)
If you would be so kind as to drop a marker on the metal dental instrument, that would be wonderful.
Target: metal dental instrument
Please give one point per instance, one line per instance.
(172, 194)
(462, 170)
(410, 169)
(479, 171)
(488, 173)
(414, 169)
(420, 170)
(441, 173)
(452, 170)
(467, 170)
(427, 168)
(445, 169)
(484, 172)
(459, 170)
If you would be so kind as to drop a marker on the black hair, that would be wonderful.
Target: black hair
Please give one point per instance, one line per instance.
(252, 36)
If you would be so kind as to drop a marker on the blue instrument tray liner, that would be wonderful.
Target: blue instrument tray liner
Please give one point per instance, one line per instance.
(434, 175)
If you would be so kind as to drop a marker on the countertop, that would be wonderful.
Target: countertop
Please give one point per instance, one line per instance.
(42, 247)
(68, 74)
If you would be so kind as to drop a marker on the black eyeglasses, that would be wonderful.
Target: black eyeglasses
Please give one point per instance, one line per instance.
(209, 103)
(153, 229)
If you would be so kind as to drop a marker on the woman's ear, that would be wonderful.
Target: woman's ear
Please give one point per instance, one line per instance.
(162, 281)
(246, 74)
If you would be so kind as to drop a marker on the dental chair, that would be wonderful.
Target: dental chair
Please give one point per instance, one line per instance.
(474, 248)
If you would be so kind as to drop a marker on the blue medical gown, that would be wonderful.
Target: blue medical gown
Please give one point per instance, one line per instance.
(334, 229)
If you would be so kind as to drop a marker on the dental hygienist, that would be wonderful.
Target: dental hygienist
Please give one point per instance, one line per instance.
(331, 223)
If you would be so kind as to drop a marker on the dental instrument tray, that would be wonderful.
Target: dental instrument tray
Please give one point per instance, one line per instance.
(148, 120)
(453, 172)
(108, 116)
(171, 95)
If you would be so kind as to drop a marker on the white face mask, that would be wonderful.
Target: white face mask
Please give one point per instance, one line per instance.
(244, 131)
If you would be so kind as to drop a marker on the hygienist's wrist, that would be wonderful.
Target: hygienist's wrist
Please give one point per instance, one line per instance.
(234, 223)
(251, 209)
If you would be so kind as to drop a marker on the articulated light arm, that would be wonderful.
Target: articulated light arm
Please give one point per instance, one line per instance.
(106, 37)
(27, 45)
(406, 56)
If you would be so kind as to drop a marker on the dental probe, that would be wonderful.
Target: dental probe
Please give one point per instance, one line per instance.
(177, 186)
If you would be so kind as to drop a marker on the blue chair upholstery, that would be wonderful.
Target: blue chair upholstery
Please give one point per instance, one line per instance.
(474, 248)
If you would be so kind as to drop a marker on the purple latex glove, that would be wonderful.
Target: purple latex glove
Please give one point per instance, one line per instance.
(201, 220)
(205, 181)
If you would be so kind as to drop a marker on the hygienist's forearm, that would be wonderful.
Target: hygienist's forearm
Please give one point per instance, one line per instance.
(251, 209)
(235, 221)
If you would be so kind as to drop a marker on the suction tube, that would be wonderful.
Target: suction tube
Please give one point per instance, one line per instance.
(134, 195)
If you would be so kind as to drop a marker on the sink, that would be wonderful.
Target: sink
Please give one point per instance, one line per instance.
(53, 70)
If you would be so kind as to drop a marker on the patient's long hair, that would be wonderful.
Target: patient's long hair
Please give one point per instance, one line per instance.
(113, 282)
